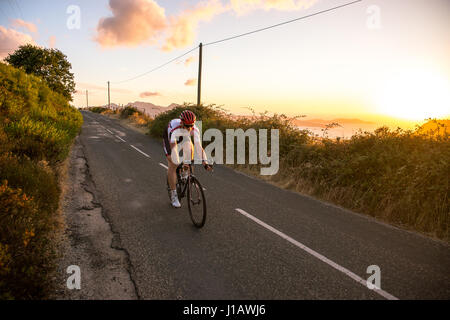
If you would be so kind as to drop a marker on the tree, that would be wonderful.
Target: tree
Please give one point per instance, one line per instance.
(49, 64)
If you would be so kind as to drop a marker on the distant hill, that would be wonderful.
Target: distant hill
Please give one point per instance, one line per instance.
(148, 108)
(151, 109)
(435, 127)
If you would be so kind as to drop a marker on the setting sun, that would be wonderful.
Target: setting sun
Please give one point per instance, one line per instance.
(415, 95)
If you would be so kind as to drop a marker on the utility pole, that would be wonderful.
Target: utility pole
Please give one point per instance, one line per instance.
(87, 100)
(199, 82)
(109, 102)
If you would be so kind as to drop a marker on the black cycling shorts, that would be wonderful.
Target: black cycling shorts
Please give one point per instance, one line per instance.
(166, 144)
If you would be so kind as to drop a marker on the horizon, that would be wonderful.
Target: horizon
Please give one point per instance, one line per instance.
(374, 121)
(383, 61)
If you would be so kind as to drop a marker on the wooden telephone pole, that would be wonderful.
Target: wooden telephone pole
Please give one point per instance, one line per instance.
(199, 82)
(87, 100)
(109, 102)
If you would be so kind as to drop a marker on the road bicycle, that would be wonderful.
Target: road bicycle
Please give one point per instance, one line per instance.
(188, 186)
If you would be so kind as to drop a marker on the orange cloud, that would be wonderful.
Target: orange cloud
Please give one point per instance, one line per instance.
(190, 82)
(17, 23)
(134, 22)
(51, 42)
(182, 28)
(149, 94)
(188, 61)
(11, 40)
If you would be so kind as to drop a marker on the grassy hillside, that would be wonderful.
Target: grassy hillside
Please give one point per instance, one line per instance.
(37, 127)
(397, 176)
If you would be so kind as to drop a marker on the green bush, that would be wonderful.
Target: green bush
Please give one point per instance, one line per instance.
(37, 127)
(128, 112)
(97, 109)
(22, 234)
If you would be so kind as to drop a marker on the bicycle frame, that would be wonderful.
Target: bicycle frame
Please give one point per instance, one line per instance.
(183, 185)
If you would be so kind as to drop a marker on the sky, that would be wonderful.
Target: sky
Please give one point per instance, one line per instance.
(378, 60)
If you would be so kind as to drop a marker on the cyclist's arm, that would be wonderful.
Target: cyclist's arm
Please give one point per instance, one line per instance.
(173, 145)
(200, 152)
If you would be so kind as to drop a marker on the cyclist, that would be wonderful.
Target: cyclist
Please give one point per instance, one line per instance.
(173, 135)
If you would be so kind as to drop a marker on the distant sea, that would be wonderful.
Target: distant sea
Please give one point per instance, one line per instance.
(345, 132)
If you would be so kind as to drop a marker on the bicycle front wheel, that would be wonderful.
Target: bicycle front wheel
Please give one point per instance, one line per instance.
(196, 202)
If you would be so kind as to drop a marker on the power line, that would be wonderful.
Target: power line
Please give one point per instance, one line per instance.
(241, 35)
(159, 67)
(282, 23)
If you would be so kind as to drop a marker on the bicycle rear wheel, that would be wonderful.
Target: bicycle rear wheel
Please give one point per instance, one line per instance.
(196, 202)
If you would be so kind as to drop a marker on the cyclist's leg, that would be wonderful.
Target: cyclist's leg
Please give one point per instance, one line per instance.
(171, 172)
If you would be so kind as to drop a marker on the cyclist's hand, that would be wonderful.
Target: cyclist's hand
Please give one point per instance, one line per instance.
(207, 166)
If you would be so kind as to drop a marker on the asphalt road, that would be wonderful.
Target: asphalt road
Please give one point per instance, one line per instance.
(259, 241)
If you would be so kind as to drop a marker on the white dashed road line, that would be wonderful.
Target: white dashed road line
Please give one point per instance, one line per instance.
(163, 165)
(140, 151)
(120, 138)
(316, 255)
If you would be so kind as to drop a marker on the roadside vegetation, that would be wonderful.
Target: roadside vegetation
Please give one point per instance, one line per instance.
(397, 176)
(135, 116)
(37, 128)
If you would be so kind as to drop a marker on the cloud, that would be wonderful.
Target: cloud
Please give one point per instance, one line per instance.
(11, 40)
(188, 61)
(182, 28)
(17, 23)
(134, 22)
(51, 41)
(149, 94)
(245, 6)
(191, 82)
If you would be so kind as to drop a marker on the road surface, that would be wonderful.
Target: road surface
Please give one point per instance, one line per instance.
(259, 241)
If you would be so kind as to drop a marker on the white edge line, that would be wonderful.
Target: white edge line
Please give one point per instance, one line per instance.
(109, 131)
(120, 138)
(140, 151)
(317, 255)
(163, 165)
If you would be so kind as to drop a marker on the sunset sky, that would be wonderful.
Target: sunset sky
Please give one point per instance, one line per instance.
(368, 60)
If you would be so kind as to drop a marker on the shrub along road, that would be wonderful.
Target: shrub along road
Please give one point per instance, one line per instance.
(259, 241)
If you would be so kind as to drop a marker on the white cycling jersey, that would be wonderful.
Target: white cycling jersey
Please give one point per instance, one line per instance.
(175, 130)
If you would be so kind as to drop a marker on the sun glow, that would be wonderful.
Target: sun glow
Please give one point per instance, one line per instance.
(415, 95)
